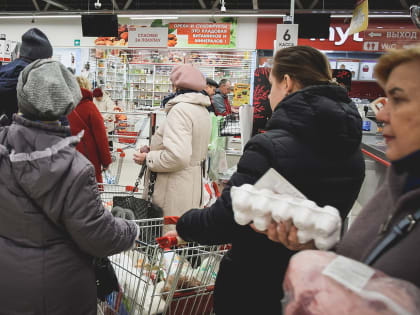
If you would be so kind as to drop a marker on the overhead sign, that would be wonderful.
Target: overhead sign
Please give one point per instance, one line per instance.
(383, 39)
(2, 46)
(77, 42)
(8, 48)
(286, 36)
(360, 18)
(149, 37)
(206, 35)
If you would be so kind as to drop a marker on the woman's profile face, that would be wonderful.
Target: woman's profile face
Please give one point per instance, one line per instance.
(278, 91)
(401, 114)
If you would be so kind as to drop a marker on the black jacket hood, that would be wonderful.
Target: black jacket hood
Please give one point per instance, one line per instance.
(323, 116)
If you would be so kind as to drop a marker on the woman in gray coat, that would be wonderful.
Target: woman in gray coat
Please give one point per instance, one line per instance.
(52, 221)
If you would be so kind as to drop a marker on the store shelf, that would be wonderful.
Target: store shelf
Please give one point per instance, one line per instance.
(122, 74)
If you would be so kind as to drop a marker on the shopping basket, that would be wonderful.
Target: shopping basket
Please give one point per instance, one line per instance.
(160, 276)
(229, 125)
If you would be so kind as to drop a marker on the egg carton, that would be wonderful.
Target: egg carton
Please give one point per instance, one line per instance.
(262, 206)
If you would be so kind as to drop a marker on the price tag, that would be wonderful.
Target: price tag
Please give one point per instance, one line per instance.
(287, 35)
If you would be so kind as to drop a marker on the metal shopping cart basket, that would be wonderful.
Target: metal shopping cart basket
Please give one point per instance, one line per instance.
(229, 125)
(164, 276)
(113, 173)
(108, 191)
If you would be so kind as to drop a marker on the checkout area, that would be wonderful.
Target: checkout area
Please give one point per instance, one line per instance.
(373, 148)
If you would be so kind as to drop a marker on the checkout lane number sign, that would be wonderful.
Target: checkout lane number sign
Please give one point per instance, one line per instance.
(287, 35)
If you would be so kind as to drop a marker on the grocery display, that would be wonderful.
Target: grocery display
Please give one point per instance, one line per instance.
(139, 78)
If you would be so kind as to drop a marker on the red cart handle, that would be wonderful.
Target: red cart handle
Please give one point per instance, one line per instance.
(169, 241)
(170, 220)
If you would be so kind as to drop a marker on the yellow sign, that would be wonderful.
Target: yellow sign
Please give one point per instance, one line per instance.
(360, 19)
(241, 94)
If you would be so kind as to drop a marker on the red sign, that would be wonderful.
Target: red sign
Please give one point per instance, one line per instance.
(380, 36)
(204, 33)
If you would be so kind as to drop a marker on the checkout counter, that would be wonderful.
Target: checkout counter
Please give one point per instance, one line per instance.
(373, 148)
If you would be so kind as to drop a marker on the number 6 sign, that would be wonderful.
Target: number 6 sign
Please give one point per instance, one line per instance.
(287, 35)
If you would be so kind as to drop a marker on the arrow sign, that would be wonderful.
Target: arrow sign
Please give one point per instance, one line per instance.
(372, 34)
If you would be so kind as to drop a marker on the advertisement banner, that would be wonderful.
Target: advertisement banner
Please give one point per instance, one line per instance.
(360, 18)
(148, 37)
(202, 35)
(120, 41)
(241, 94)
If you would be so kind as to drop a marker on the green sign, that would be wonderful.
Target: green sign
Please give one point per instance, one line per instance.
(77, 42)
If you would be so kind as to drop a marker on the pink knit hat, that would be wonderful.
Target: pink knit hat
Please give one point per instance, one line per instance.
(188, 77)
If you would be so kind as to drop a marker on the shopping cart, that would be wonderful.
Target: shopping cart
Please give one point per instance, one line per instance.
(229, 125)
(108, 191)
(113, 173)
(164, 276)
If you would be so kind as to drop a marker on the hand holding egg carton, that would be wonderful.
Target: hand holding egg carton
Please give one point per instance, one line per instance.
(262, 206)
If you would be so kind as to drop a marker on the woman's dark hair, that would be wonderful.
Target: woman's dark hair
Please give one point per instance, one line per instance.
(304, 64)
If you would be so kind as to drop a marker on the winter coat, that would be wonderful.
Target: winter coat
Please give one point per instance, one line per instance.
(106, 105)
(177, 149)
(313, 140)
(87, 117)
(9, 75)
(402, 260)
(220, 103)
(51, 223)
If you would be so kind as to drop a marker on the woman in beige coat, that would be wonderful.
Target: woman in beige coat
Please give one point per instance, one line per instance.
(179, 147)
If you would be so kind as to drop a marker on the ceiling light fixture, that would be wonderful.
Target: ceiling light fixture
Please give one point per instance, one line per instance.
(144, 17)
(39, 16)
(373, 16)
(152, 17)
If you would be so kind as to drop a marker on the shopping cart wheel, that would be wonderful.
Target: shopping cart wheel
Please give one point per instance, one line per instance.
(123, 213)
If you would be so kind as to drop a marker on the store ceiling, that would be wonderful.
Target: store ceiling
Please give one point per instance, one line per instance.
(8, 6)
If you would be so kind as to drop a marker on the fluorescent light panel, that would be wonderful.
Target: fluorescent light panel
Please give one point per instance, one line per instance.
(151, 17)
(144, 17)
(39, 16)
(372, 16)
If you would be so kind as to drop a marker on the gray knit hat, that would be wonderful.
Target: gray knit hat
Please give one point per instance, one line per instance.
(46, 90)
(35, 45)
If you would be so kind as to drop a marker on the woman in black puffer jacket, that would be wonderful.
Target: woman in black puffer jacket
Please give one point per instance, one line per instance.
(313, 140)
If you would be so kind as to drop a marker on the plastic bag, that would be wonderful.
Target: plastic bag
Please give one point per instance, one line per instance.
(332, 284)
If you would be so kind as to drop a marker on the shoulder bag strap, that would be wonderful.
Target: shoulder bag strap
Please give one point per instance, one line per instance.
(86, 127)
(397, 232)
(142, 171)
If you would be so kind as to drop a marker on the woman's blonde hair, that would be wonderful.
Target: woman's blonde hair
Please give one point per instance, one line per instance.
(393, 59)
(84, 83)
(305, 64)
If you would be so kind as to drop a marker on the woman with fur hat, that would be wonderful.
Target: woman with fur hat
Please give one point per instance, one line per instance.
(52, 220)
(179, 147)
(94, 144)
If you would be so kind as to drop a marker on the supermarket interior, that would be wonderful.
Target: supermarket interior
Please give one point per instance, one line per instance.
(262, 156)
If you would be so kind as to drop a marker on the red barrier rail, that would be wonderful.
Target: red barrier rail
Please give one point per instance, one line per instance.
(376, 158)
